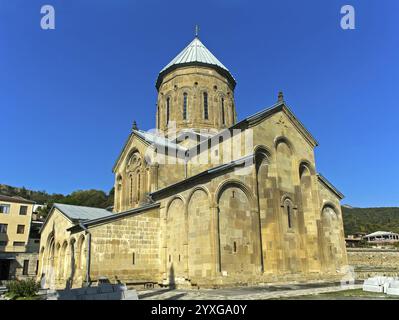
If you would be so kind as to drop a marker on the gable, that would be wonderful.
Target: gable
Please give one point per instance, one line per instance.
(133, 143)
(288, 116)
(140, 141)
(54, 215)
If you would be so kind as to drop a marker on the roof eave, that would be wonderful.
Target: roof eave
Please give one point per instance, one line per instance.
(156, 195)
(93, 222)
(330, 186)
(219, 69)
(50, 213)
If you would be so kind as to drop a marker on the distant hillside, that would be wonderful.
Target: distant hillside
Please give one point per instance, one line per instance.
(89, 198)
(355, 219)
(370, 219)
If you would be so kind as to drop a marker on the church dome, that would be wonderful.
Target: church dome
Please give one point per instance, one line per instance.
(195, 54)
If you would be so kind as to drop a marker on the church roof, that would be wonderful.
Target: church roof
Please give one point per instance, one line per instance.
(151, 139)
(77, 213)
(158, 140)
(113, 217)
(80, 212)
(195, 54)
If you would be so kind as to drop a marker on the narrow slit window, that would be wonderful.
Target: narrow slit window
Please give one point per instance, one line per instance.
(158, 116)
(235, 247)
(206, 114)
(131, 189)
(134, 258)
(222, 106)
(138, 186)
(289, 216)
(185, 101)
(167, 110)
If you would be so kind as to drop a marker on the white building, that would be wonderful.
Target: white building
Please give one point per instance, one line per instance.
(382, 237)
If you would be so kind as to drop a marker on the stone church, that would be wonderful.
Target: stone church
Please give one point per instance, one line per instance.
(205, 199)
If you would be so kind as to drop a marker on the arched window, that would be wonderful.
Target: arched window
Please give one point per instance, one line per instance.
(289, 216)
(167, 110)
(185, 101)
(222, 106)
(138, 186)
(119, 183)
(206, 114)
(289, 212)
(131, 189)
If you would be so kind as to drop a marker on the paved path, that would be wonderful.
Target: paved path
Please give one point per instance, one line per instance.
(243, 293)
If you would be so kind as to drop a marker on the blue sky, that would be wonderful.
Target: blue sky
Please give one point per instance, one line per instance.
(68, 96)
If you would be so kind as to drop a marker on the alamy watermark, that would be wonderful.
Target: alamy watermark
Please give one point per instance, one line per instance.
(348, 19)
(235, 146)
(348, 278)
(47, 21)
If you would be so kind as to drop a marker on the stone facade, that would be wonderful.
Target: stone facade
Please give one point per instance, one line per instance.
(127, 249)
(181, 100)
(374, 262)
(23, 265)
(228, 213)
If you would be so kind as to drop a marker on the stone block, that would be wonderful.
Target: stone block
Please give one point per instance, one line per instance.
(394, 284)
(393, 291)
(80, 291)
(376, 284)
(92, 290)
(130, 295)
(115, 296)
(120, 287)
(372, 288)
(106, 288)
(67, 296)
(101, 296)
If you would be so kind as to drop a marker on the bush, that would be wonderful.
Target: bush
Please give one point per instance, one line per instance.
(23, 288)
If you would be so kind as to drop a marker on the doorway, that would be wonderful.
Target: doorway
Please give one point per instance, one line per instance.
(4, 269)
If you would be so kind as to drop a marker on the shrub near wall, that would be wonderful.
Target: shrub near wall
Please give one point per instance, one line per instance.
(22, 288)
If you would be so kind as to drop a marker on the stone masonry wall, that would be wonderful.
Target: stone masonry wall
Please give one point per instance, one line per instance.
(372, 262)
(127, 249)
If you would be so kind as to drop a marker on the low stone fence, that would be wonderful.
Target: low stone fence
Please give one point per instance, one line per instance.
(374, 262)
(100, 292)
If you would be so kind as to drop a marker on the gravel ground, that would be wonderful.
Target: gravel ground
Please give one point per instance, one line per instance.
(245, 293)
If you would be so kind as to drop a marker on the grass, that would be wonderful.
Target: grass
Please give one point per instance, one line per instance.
(347, 294)
(12, 296)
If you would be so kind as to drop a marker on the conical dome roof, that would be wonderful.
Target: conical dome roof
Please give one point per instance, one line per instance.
(195, 54)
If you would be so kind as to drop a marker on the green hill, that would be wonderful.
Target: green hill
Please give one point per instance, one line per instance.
(369, 220)
(89, 198)
(366, 220)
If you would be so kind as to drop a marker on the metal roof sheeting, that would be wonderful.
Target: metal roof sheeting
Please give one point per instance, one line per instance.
(81, 213)
(158, 140)
(380, 233)
(195, 52)
(198, 55)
